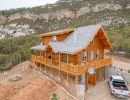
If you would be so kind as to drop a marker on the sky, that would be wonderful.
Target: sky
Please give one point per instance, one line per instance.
(11, 4)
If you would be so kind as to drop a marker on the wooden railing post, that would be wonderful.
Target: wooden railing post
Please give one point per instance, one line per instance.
(77, 73)
(67, 76)
(59, 66)
(45, 62)
(104, 72)
(51, 64)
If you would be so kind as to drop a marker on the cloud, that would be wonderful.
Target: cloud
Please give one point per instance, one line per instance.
(10, 4)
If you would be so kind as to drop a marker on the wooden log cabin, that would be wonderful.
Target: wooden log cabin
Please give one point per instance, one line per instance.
(73, 51)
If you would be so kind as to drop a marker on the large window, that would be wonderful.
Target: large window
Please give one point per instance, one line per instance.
(84, 56)
(91, 55)
(97, 53)
(53, 38)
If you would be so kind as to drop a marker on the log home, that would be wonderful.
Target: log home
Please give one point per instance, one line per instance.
(73, 51)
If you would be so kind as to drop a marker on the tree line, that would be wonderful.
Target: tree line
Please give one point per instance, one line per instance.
(16, 50)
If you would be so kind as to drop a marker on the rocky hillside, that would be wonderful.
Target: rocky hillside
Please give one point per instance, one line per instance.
(114, 15)
(64, 12)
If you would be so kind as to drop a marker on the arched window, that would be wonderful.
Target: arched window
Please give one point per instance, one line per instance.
(97, 53)
(84, 56)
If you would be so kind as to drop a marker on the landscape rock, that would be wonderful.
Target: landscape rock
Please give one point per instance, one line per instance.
(15, 78)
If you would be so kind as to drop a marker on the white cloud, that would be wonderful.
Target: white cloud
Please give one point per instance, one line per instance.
(9, 4)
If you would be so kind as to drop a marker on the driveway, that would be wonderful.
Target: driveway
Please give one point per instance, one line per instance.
(101, 92)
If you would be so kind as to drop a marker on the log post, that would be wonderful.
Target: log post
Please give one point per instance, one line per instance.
(51, 64)
(104, 72)
(77, 73)
(67, 74)
(45, 62)
(59, 66)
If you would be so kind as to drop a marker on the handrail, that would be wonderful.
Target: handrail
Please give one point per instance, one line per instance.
(73, 68)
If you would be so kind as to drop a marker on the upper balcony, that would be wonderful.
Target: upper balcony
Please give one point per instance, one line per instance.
(71, 68)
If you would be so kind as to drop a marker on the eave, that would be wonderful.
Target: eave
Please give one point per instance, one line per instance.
(56, 32)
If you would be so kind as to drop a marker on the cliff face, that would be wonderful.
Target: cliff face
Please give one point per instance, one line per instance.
(70, 13)
(60, 14)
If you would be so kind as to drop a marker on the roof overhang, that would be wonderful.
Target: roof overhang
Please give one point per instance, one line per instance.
(39, 47)
(56, 32)
(104, 39)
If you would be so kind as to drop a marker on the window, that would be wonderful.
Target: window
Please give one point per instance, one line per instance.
(53, 38)
(84, 56)
(97, 54)
(42, 40)
(91, 55)
(64, 57)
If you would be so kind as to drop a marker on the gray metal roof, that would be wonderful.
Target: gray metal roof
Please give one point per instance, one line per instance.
(76, 41)
(38, 47)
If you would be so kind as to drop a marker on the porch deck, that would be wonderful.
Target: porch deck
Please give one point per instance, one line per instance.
(70, 68)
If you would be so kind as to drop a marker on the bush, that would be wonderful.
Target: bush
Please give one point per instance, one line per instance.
(54, 96)
(128, 71)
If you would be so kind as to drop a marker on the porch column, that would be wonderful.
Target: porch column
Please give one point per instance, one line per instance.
(77, 73)
(105, 72)
(67, 74)
(51, 64)
(45, 62)
(59, 66)
(86, 81)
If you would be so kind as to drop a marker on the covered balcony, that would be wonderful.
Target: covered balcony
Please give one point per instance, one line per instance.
(56, 61)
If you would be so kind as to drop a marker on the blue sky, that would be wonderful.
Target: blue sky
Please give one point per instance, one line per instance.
(10, 4)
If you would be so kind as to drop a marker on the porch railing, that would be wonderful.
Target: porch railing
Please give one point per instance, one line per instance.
(71, 68)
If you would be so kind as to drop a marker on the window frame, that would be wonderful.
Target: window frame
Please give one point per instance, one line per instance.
(97, 54)
(91, 55)
(54, 38)
(84, 56)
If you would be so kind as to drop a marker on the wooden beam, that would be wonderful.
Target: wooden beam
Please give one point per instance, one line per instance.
(104, 72)
(59, 65)
(77, 72)
(67, 74)
(45, 62)
(51, 64)
(87, 81)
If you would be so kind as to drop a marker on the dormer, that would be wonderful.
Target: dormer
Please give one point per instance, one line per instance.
(56, 36)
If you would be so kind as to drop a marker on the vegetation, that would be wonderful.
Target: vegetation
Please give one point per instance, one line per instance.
(54, 96)
(16, 50)
(120, 39)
